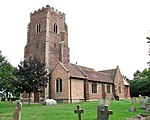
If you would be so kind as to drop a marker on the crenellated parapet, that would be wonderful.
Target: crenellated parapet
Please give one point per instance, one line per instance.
(50, 9)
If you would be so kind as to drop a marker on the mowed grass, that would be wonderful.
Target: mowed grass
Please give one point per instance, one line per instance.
(63, 111)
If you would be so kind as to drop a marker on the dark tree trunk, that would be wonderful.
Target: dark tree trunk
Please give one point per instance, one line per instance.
(29, 98)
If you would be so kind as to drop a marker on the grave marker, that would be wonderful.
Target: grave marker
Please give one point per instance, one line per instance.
(106, 112)
(107, 102)
(147, 108)
(17, 111)
(79, 111)
(143, 103)
(10, 102)
(133, 100)
(99, 108)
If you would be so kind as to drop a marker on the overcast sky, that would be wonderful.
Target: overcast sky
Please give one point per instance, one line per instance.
(102, 33)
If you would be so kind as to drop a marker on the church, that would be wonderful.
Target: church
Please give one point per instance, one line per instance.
(47, 39)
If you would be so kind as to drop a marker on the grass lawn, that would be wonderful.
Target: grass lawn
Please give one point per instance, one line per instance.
(64, 111)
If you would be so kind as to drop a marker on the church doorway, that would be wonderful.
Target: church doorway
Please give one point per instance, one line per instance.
(36, 97)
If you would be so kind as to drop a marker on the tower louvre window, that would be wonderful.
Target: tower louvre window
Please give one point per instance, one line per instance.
(55, 28)
(38, 28)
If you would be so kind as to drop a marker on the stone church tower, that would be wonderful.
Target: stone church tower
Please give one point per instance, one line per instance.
(47, 38)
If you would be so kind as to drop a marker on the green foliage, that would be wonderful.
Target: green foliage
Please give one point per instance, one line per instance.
(6, 70)
(31, 76)
(140, 84)
(63, 111)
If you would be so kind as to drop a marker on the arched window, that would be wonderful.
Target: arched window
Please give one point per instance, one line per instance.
(58, 85)
(94, 88)
(38, 28)
(119, 87)
(55, 28)
(108, 88)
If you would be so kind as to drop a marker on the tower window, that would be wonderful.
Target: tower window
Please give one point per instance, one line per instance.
(55, 28)
(37, 45)
(94, 88)
(58, 85)
(38, 28)
(54, 45)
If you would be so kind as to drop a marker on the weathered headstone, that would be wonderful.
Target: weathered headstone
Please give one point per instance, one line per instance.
(10, 102)
(132, 108)
(133, 100)
(99, 108)
(107, 101)
(148, 100)
(106, 112)
(17, 111)
(147, 108)
(100, 102)
(79, 111)
(143, 103)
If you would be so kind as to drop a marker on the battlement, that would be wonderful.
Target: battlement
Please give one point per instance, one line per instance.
(48, 8)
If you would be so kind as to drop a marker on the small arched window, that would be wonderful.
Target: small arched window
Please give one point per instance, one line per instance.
(58, 85)
(38, 28)
(94, 88)
(119, 87)
(55, 28)
(108, 88)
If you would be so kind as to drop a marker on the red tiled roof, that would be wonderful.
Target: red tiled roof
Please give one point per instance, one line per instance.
(96, 76)
(87, 73)
(74, 71)
(110, 72)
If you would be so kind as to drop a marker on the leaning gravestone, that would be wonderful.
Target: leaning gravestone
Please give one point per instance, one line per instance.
(49, 102)
(17, 111)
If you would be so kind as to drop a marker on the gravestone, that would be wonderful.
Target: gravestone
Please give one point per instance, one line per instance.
(10, 102)
(133, 100)
(105, 113)
(99, 108)
(17, 111)
(132, 108)
(148, 100)
(79, 111)
(107, 102)
(147, 108)
(143, 103)
(140, 117)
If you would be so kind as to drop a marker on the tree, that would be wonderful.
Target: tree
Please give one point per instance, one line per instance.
(31, 76)
(139, 85)
(6, 70)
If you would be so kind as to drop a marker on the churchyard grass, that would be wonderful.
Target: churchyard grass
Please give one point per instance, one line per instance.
(63, 111)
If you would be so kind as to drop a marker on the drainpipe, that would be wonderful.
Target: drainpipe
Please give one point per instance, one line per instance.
(70, 91)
